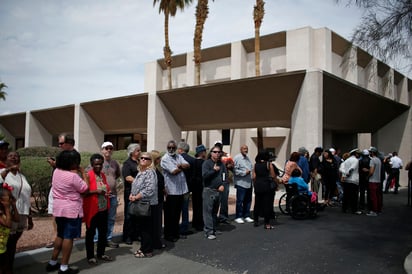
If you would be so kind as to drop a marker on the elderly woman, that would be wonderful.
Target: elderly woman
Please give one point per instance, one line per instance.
(22, 193)
(96, 204)
(144, 188)
(129, 172)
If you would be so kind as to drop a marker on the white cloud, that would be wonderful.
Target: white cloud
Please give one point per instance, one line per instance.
(55, 53)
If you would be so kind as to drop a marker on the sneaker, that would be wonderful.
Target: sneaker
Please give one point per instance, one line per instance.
(69, 271)
(211, 237)
(50, 267)
(249, 220)
(112, 244)
(239, 221)
(358, 212)
(371, 214)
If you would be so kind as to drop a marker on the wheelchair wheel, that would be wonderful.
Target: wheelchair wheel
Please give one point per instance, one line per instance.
(299, 207)
(283, 204)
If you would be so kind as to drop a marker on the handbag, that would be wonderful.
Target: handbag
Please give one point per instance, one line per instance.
(139, 208)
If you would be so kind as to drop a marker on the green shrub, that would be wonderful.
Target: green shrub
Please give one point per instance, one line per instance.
(38, 172)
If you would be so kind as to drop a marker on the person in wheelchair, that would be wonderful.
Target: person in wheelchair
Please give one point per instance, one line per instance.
(303, 189)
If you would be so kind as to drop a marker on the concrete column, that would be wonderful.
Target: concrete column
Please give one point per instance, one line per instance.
(364, 140)
(371, 75)
(161, 126)
(388, 88)
(402, 95)
(35, 133)
(307, 116)
(396, 136)
(238, 61)
(298, 49)
(321, 54)
(349, 65)
(87, 133)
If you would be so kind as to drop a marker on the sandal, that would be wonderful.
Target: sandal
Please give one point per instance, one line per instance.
(140, 254)
(269, 227)
(92, 261)
(105, 258)
(50, 244)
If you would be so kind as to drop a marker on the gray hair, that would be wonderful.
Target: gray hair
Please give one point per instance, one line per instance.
(184, 146)
(131, 147)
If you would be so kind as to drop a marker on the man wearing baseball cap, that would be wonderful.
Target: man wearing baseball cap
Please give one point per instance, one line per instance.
(111, 169)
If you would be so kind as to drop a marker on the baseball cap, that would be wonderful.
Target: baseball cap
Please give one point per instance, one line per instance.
(107, 144)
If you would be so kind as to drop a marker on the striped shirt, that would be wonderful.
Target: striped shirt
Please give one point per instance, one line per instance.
(175, 184)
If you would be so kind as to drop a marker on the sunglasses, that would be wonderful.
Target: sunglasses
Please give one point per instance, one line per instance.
(145, 158)
(108, 148)
(215, 151)
(171, 147)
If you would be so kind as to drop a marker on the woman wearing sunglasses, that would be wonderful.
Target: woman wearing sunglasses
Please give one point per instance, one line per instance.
(144, 187)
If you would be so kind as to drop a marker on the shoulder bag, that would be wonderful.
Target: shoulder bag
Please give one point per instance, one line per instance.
(139, 208)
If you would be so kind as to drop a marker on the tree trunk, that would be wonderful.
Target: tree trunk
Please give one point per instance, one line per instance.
(202, 11)
(167, 51)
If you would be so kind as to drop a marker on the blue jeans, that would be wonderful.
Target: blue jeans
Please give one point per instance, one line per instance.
(110, 220)
(243, 201)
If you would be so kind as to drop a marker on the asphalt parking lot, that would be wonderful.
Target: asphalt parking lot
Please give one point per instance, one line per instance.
(334, 242)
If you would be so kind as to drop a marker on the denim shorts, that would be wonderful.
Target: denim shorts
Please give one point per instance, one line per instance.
(68, 228)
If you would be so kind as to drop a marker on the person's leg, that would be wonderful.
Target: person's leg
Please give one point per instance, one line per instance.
(345, 200)
(167, 231)
(12, 245)
(184, 226)
(126, 232)
(101, 225)
(89, 239)
(146, 229)
(176, 215)
(374, 197)
(67, 247)
(257, 207)
(388, 181)
(396, 175)
(157, 225)
(247, 201)
(207, 211)
(267, 208)
(111, 217)
(224, 200)
(240, 196)
(197, 220)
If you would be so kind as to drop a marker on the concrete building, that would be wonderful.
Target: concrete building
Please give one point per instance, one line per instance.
(315, 89)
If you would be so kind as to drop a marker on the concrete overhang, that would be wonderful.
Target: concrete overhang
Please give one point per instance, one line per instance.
(350, 108)
(56, 120)
(15, 124)
(119, 115)
(265, 101)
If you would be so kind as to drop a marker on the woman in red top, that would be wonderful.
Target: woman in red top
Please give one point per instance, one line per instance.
(95, 209)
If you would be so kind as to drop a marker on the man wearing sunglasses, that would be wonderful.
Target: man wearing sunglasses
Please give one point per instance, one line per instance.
(173, 165)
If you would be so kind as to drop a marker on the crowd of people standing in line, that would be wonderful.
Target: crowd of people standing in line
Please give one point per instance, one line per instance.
(166, 182)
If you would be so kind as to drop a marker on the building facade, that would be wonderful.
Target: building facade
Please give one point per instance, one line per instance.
(315, 89)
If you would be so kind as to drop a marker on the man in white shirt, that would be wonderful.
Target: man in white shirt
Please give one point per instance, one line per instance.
(243, 183)
(396, 165)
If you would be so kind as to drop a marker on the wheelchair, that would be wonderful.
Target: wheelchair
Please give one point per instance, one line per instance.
(298, 205)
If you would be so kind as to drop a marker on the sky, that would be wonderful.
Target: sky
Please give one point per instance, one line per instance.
(55, 53)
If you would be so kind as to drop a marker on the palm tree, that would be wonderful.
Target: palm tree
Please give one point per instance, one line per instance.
(258, 13)
(2, 93)
(202, 10)
(169, 8)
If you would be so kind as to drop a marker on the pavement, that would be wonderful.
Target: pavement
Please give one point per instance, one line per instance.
(333, 242)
